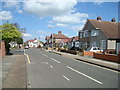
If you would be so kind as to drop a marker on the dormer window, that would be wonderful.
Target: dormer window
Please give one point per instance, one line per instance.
(94, 33)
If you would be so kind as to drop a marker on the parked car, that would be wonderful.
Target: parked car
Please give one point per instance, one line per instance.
(94, 49)
(26, 47)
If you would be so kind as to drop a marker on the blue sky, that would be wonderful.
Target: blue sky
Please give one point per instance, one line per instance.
(42, 18)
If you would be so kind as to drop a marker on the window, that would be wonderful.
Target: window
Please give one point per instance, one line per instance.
(103, 44)
(81, 34)
(94, 32)
(94, 44)
(94, 48)
(86, 34)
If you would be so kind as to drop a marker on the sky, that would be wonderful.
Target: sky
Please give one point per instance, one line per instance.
(41, 18)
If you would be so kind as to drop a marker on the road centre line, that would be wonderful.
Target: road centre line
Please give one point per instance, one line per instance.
(66, 78)
(45, 55)
(27, 58)
(51, 66)
(55, 60)
(45, 62)
(85, 75)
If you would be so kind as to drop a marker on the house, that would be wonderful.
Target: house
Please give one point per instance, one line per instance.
(47, 38)
(56, 39)
(99, 33)
(73, 42)
(34, 43)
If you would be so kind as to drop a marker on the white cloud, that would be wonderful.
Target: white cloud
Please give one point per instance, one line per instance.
(26, 35)
(61, 25)
(5, 15)
(50, 26)
(76, 28)
(43, 32)
(11, 3)
(49, 8)
(20, 11)
(71, 18)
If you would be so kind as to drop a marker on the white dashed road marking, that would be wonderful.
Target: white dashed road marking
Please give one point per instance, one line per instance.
(45, 62)
(55, 60)
(51, 66)
(45, 55)
(66, 78)
(85, 75)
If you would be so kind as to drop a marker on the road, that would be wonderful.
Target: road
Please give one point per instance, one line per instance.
(49, 70)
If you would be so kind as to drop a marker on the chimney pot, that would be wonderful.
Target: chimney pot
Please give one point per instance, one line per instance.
(113, 20)
(99, 18)
(59, 32)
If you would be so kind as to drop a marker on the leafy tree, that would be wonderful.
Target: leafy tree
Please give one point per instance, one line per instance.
(19, 41)
(9, 33)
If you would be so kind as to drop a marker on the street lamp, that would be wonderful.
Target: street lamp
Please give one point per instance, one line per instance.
(52, 42)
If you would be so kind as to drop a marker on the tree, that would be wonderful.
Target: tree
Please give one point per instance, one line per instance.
(19, 41)
(9, 33)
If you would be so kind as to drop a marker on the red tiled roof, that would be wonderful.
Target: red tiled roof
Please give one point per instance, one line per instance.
(32, 40)
(47, 37)
(110, 29)
(76, 38)
(60, 36)
(65, 40)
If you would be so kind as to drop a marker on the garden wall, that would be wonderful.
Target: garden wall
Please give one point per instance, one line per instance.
(108, 57)
(2, 48)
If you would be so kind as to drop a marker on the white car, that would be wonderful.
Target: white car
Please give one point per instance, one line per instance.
(26, 47)
(93, 49)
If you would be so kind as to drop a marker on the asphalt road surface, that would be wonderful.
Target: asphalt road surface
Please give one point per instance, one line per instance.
(49, 70)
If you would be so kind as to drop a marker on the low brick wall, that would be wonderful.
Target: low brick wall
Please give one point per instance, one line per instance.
(108, 57)
(68, 51)
(87, 53)
(2, 48)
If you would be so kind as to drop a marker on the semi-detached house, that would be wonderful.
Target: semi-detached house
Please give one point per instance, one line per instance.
(99, 33)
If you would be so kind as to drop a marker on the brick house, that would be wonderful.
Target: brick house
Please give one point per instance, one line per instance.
(99, 33)
(57, 39)
(47, 39)
(73, 42)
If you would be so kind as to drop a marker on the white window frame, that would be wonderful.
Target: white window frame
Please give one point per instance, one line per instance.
(86, 34)
(94, 33)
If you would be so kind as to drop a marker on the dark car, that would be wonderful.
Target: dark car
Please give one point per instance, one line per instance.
(74, 48)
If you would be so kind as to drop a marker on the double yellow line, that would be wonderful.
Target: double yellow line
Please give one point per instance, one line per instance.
(27, 58)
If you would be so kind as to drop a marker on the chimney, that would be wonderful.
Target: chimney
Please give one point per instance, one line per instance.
(59, 32)
(99, 18)
(113, 20)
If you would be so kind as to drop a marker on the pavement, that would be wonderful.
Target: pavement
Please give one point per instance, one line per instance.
(14, 74)
(99, 62)
(50, 70)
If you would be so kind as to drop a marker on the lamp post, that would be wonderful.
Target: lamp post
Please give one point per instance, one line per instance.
(52, 42)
